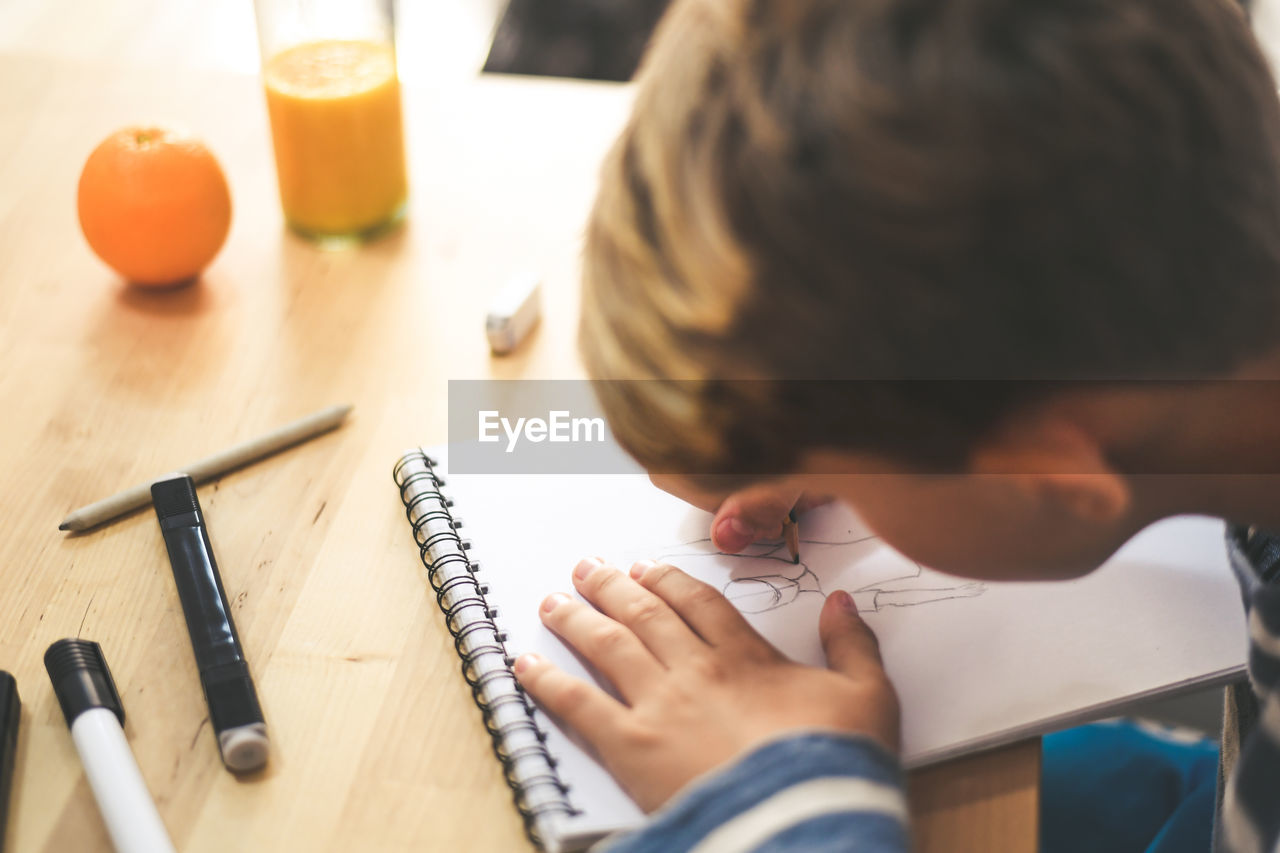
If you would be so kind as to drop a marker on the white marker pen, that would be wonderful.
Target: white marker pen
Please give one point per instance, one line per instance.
(85, 690)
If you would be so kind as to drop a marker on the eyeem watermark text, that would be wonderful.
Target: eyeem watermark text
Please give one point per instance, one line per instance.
(559, 426)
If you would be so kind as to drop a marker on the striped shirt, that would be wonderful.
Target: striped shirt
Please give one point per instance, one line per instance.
(823, 792)
(816, 791)
(1249, 814)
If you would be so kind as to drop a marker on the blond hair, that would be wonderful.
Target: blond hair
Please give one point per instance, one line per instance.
(663, 268)
(908, 189)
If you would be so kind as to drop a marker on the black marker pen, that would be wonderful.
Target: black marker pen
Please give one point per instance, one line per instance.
(10, 712)
(234, 712)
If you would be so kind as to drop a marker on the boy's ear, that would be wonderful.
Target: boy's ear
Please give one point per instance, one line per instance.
(1055, 462)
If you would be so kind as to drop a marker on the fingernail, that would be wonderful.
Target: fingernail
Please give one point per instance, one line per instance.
(553, 601)
(845, 600)
(524, 662)
(586, 566)
(638, 570)
(733, 534)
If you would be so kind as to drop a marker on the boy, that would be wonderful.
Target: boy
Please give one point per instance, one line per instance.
(926, 258)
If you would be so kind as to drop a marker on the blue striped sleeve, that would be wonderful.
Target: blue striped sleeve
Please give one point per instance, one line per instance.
(1251, 806)
(812, 791)
(1264, 642)
(1249, 817)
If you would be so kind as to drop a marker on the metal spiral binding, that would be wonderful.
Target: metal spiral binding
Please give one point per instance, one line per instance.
(518, 741)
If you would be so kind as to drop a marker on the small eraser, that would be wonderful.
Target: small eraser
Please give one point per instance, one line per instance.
(244, 747)
(514, 313)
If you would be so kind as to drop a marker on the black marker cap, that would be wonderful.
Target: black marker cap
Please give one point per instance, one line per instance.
(175, 498)
(81, 679)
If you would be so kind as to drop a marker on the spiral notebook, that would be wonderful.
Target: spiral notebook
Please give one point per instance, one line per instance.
(975, 664)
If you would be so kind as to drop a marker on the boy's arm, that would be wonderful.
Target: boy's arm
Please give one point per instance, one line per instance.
(809, 791)
(701, 690)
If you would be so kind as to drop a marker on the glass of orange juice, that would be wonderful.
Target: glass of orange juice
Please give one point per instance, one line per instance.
(333, 96)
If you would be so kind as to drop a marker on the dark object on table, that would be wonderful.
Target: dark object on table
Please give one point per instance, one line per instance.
(595, 39)
(10, 712)
(235, 715)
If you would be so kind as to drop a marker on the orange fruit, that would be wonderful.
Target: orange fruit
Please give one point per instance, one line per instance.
(154, 204)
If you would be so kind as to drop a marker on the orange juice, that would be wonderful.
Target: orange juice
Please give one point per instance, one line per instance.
(338, 135)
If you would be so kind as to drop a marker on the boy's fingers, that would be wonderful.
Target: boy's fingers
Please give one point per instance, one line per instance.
(850, 645)
(608, 646)
(700, 605)
(650, 618)
(583, 707)
(751, 515)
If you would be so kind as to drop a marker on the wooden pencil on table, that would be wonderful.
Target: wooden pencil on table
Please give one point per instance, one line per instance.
(211, 466)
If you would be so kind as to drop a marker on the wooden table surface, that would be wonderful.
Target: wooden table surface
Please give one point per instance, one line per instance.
(376, 745)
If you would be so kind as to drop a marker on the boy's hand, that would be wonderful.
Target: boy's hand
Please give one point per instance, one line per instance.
(744, 516)
(699, 686)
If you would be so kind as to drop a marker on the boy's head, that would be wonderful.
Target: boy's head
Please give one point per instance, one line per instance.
(933, 213)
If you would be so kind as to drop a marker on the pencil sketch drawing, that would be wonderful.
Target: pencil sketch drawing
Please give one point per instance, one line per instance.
(763, 578)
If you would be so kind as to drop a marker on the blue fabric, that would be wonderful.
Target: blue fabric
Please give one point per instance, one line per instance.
(769, 769)
(1119, 788)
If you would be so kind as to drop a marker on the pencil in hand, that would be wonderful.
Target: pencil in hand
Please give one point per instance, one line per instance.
(791, 533)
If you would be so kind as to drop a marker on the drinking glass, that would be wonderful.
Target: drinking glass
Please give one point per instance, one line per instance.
(333, 96)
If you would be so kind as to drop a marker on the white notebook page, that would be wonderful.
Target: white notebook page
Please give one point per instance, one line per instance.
(975, 664)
